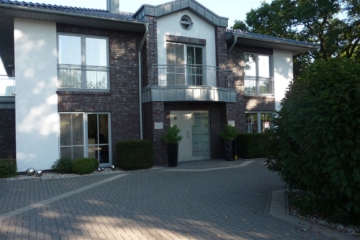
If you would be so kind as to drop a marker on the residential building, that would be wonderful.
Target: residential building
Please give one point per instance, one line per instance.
(75, 81)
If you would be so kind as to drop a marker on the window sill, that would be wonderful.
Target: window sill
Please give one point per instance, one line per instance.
(83, 92)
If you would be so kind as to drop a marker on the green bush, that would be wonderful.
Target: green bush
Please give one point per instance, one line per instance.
(135, 154)
(96, 163)
(172, 135)
(248, 145)
(230, 133)
(317, 141)
(63, 165)
(83, 165)
(7, 168)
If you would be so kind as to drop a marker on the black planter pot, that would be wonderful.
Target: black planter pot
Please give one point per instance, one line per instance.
(229, 150)
(172, 152)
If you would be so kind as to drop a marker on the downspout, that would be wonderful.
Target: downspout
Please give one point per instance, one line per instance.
(140, 78)
(233, 45)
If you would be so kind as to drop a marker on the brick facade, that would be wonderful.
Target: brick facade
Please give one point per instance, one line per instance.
(235, 62)
(7, 134)
(122, 102)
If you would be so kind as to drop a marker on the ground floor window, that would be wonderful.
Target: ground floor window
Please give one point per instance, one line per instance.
(257, 122)
(85, 135)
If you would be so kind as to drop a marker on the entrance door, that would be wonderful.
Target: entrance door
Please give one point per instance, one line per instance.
(194, 126)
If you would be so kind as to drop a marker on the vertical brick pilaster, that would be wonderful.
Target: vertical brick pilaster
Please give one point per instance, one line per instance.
(7, 133)
(151, 52)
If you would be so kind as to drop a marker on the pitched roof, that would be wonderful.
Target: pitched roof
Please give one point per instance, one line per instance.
(177, 5)
(66, 9)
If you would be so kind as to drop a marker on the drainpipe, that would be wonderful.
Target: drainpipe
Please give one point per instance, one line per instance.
(140, 78)
(233, 45)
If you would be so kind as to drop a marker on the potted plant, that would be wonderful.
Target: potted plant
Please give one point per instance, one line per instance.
(172, 139)
(229, 136)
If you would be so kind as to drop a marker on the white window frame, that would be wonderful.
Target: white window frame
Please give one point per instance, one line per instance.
(258, 113)
(85, 134)
(83, 66)
(257, 76)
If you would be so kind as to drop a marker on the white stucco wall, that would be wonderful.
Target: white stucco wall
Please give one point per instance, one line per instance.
(37, 123)
(170, 25)
(283, 74)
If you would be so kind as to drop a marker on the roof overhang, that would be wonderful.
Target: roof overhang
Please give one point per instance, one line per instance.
(16, 11)
(262, 41)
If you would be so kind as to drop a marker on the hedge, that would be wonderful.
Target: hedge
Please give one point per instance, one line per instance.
(135, 154)
(7, 168)
(248, 145)
(83, 165)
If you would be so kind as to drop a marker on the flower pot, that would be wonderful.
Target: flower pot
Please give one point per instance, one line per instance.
(172, 152)
(229, 150)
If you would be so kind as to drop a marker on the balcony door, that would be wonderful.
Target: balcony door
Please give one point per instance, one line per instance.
(184, 65)
(194, 65)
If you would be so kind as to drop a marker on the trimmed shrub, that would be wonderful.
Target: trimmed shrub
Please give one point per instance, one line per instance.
(7, 168)
(248, 145)
(83, 165)
(96, 163)
(63, 165)
(317, 141)
(135, 154)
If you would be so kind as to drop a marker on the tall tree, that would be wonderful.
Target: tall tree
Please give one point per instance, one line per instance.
(334, 25)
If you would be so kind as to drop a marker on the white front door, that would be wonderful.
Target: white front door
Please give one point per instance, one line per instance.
(194, 126)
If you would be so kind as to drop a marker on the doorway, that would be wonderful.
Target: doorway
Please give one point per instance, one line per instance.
(194, 126)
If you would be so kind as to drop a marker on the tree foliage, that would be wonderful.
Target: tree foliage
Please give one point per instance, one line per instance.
(314, 145)
(334, 25)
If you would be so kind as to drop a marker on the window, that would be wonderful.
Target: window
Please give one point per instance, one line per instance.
(184, 64)
(83, 62)
(257, 122)
(85, 135)
(257, 74)
(186, 22)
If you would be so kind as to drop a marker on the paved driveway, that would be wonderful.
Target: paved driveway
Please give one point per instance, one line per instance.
(197, 201)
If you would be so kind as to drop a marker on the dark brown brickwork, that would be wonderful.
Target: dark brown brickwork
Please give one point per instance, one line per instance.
(221, 47)
(181, 39)
(260, 103)
(150, 57)
(154, 112)
(7, 133)
(236, 111)
(123, 99)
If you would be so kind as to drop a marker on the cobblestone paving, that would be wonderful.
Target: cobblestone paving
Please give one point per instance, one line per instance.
(157, 204)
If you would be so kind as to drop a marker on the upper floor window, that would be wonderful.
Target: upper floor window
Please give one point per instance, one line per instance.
(83, 62)
(257, 74)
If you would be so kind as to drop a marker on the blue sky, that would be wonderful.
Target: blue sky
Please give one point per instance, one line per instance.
(232, 9)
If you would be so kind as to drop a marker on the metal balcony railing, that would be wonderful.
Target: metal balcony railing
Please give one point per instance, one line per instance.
(7, 85)
(75, 77)
(258, 85)
(189, 75)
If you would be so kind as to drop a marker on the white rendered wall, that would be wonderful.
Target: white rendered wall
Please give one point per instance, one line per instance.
(283, 74)
(170, 25)
(37, 124)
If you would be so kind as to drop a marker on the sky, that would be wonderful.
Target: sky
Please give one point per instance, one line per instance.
(232, 9)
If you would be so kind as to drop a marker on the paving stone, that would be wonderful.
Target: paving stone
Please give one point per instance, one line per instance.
(230, 203)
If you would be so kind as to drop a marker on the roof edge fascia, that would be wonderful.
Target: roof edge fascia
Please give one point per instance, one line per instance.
(59, 13)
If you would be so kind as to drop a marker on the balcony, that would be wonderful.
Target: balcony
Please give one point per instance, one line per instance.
(256, 86)
(83, 78)
(7, 86)
(189, 83)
